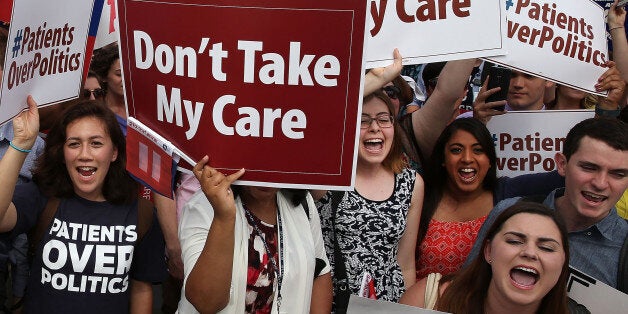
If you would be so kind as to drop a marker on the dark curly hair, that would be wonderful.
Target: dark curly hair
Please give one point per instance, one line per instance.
(102, 60)
(50, 173)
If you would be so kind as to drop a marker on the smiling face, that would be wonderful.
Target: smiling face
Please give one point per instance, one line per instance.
(375, 141)
(88, 151)
(596, 176)
(526, 257)
(465, 162)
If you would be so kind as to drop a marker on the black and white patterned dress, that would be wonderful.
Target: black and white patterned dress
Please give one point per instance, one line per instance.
(368, 236)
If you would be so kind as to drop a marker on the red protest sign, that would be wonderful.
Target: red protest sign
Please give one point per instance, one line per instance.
(270, 87)
(148, 162)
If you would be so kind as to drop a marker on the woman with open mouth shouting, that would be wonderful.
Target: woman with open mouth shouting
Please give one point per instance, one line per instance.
(96, 247)
(523, 269)
(370, 232)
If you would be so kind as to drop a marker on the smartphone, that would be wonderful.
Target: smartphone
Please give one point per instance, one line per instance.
(498, 77)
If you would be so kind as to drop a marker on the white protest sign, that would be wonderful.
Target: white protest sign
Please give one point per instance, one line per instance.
(45, 53)
(526, 141)
(595, 295)
(108, 26)
(560, 41)
(433, 30)
(359, 305)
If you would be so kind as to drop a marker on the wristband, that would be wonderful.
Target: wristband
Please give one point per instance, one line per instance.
(607, 113)
(616, 27)
(21, 150)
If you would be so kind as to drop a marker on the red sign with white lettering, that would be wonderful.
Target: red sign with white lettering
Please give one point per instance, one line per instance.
(272, 87)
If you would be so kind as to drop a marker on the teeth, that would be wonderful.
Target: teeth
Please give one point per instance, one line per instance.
(527, 270)
(374, 141)
(468, 170)
(593, 196)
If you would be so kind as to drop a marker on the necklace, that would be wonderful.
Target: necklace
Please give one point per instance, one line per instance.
(278, 270)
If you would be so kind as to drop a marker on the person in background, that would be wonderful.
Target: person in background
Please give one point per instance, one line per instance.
(92, 87)
(568, 98)
(523, 268)
(106, 64)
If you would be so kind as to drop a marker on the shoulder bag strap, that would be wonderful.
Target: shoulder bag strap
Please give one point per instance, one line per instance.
(340, 271)
(431, 290)
(43, 221)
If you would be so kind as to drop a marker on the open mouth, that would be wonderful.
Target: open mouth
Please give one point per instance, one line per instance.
(374, 145)
(524, 277)
(86, 171)
(467, 174)
(592, 197)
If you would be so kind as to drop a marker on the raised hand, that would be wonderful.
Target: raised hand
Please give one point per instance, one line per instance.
(483, 110)
(612, 82)
(217, 188)
(26, 126)
(378, 77)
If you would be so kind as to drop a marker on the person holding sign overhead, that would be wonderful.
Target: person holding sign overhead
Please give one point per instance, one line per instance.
(96, 247)
(250, 249)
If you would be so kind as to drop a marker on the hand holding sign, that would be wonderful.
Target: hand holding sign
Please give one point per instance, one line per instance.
(378, 77)
(26, 126)
(217, 188)
(612, 82)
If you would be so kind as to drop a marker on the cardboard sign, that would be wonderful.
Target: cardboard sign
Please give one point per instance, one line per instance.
(45, 53)
(149, 158)
(562, 41)
(595, 295)
(274, 88)
(108, 26)
(526, 141)
(434, 30)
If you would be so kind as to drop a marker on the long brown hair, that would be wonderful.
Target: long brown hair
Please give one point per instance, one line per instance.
(394, 161)
(468, 288)
(50, 173)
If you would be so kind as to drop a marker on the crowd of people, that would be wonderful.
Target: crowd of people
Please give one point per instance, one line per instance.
(429, 223)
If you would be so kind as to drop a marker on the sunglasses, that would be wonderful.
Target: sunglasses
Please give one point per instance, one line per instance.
(98, 93)
(392, 91)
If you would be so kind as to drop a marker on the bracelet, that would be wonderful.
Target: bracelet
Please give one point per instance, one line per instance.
(616, 27)
(607, 113)
(21, 150)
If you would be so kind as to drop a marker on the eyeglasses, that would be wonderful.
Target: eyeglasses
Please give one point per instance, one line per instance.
(384, 120)
(392, 91)
(98, 93)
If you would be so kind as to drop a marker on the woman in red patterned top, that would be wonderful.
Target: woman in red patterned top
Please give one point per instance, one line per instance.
(461, 177)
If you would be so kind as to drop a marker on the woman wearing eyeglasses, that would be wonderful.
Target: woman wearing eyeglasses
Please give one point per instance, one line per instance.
(374, 226)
